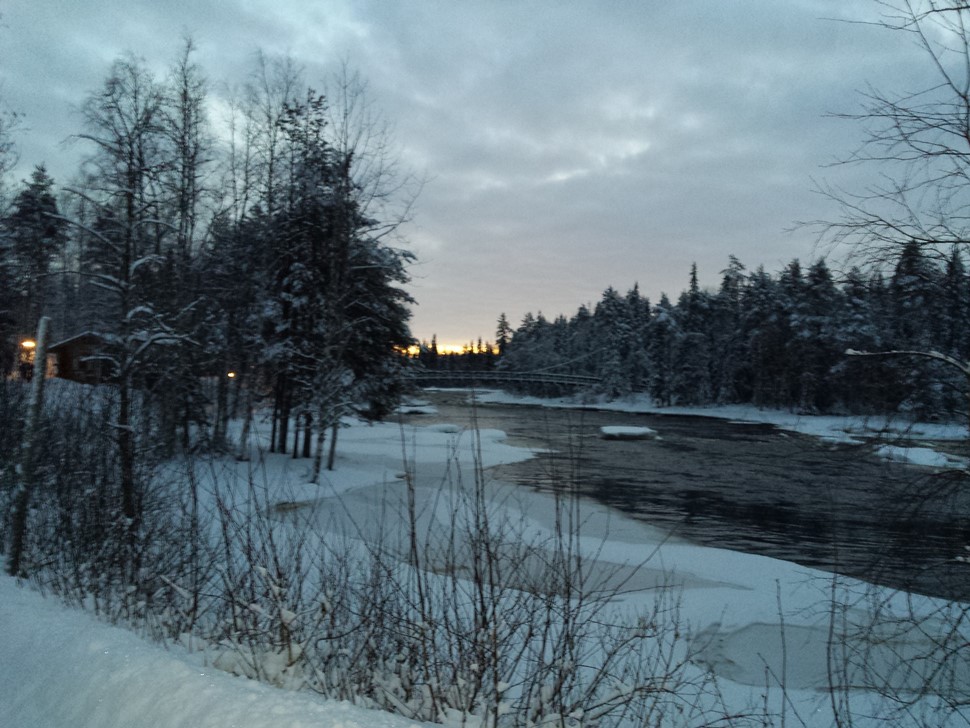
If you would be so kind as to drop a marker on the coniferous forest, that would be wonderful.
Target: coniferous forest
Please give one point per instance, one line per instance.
(773, 340)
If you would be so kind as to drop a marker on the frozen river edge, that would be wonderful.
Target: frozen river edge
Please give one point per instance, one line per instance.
(755, 621)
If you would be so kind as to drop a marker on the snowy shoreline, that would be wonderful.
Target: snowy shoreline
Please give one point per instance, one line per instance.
(847, 429)
(748, 619)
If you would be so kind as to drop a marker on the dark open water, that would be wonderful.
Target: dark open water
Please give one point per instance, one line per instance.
(749, 487)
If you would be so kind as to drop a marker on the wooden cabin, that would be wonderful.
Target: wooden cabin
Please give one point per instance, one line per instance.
(77, 358)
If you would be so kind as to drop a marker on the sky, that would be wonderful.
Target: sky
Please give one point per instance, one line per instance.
(565, 145)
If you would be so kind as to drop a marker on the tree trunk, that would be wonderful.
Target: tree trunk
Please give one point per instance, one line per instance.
(276, 416)
(126, 454)
(30, 445)
(307, 432)
(333, 444)
(222, 409)
(318, 455)
(285, 405)
(243, 453)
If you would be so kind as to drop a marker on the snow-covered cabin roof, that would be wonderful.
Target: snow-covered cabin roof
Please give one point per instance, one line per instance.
(85, 337)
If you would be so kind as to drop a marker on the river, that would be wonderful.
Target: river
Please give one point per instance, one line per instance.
(747, 487)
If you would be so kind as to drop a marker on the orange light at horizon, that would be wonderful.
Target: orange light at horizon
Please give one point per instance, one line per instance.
(452, 348)
(445, 349)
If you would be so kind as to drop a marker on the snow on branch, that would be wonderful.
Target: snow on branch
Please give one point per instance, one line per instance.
(145, 260)
(961, 365)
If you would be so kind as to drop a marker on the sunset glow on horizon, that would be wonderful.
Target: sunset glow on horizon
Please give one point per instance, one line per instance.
(447, 349)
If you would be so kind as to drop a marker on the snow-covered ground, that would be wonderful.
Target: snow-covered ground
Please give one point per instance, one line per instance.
(759, 624)
(61, 668)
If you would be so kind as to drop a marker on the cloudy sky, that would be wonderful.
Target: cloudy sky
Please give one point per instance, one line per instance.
(567, 145)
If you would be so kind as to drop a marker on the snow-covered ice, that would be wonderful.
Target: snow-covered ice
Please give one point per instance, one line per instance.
(620, 432)
(925, 456)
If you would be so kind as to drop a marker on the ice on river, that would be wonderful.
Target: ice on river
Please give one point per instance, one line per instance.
(756, 622)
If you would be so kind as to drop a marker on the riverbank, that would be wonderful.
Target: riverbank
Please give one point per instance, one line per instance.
(905, 440)
(830, 502)
(769, 629)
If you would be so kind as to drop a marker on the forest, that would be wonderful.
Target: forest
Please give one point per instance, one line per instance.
(266, 247)
(773, 340)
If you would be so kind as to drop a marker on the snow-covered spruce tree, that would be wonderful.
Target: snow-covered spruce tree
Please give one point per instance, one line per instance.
(335, 314)
(815, 338)
(856, 386)
(664, 334)
(637, 312)
(725, 332)
(613, 333)
(692, 352)
(8, 349)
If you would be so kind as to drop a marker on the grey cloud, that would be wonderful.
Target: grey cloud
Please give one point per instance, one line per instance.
(569, 145)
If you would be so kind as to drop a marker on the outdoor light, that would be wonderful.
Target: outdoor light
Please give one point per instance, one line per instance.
(28, 344)
(231, 375)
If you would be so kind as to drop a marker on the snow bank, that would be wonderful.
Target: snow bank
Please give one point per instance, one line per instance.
(61, 668)
(832, 428)
(919, 456)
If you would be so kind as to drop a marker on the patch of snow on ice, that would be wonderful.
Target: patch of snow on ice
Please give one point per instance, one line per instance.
(446, 428)
(918, 456)
(619, 432)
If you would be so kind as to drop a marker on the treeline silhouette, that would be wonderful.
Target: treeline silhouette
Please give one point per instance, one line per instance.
(773, 340)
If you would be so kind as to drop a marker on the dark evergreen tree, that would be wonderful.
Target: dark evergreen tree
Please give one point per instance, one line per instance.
(954, 330)
(336, 313)
(503, 333)
(859, 382)
(637, 359)
(8, 325)
(663, 342)
(35, 234)
(764, 333)
(725, 333)
(692, 354)
(913, 289)
(817, 338)
(613, 337)
(788, 327)
(913, 295)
